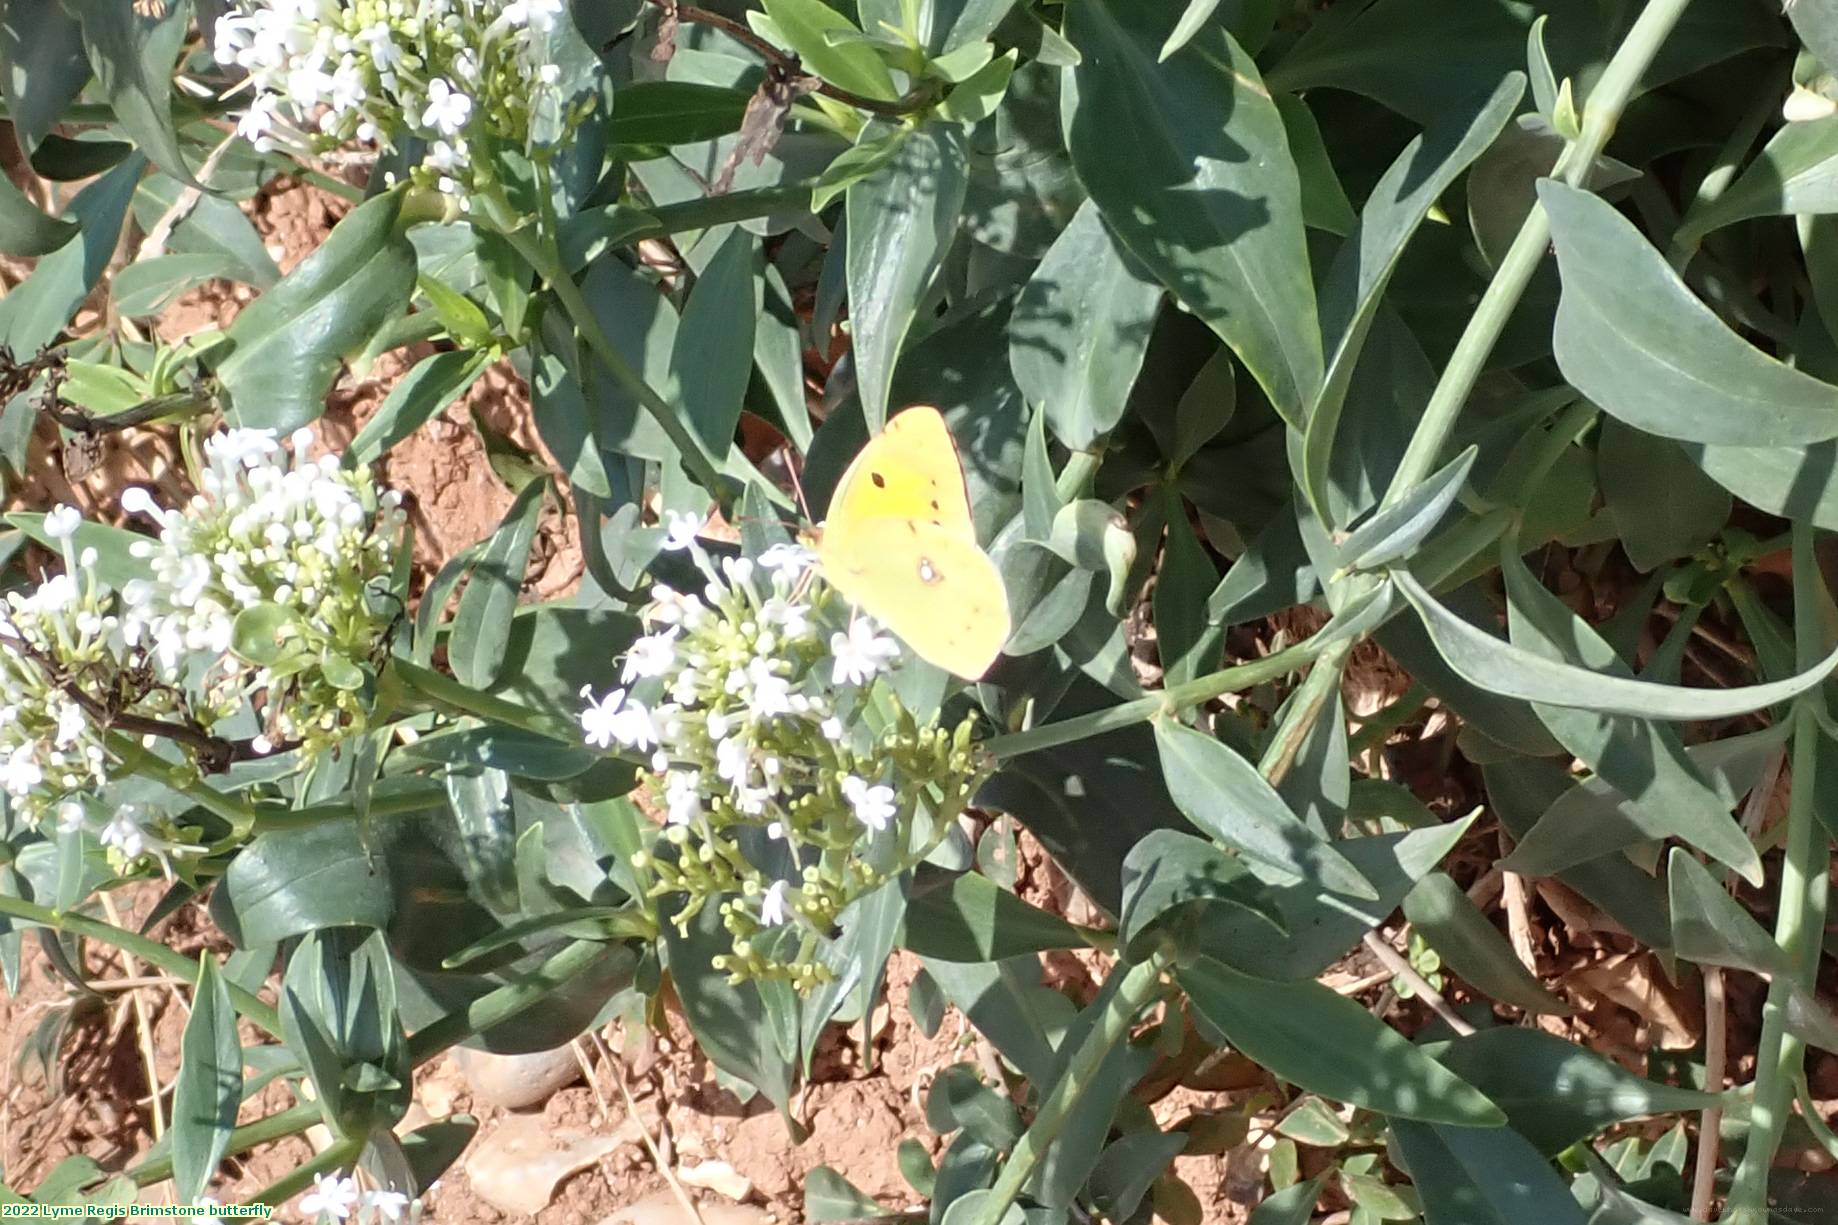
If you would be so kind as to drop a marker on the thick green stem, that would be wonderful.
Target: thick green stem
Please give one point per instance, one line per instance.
(451, 695)
(1141, 984)
(1800, 925)
(339, 1154)
(546, 262)
(289, 1122)
(1600, 116)
(1176, 697)
(1305, 709)
(150, 951)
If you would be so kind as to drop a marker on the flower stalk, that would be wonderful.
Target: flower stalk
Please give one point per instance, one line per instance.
(1601, 115)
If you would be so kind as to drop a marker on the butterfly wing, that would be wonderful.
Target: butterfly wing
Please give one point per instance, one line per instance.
(899, 543)
(935, 589)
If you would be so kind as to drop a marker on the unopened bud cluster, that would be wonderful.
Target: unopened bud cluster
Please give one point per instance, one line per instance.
(791, 779)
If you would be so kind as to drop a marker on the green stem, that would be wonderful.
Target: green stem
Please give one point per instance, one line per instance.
(542, 257)
(703, 212)
(278, 1126)
(1800, 925)
(339, 1154)
(1305, 709)
(1175, 697)
(150, 951)
(449, 694)
(1600, 116)
(1141, 984)
(238, 812)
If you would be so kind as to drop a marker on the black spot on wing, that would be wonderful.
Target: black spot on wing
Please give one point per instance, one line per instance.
(880, 482)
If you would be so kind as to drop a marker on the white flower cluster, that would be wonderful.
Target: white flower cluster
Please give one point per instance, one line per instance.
(753, 703)
(459, 75)
(304, 539)
(60, 646)
(337, 1197)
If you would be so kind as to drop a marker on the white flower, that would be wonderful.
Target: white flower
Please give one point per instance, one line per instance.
(772, 908)
(332, 1196)
(682, 796)
(21, 772)
(206, 1218)
(873, 805)
(615, 718)
(384, 1205)
(651, 655)
(831, 728)
(791, 558)
(771, 692)
(680, 529)
(62, 522)
(860, 653)
(448, 109)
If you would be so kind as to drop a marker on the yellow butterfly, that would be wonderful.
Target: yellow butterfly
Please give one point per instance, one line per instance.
(900, 546)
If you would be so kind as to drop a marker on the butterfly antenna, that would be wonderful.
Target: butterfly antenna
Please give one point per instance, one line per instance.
(797, 486)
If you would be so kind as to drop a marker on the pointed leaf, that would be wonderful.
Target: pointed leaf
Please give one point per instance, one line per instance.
(1328, 1044)
(208, 1092)
(1397, 530)
(1483, 660)
(482, 623)
(1204, 190)
(1711, 928)
(1224, 795)
(1635, 340)
(1472, 947)
(1482, 1176)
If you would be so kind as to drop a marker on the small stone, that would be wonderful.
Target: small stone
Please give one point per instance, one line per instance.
(716, 1176)
(517, 1168)
(516, 1082)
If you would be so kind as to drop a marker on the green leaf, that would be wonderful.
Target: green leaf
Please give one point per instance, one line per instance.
(36, 310)
(1292, 1205)
(1328, 1044)
(1397, 530)
(1632, 338)
(1796, 173)
(1711, 928)
(286, 347)
(1324, 201)
(1592, 819)
(1129, 1167)
(1187, 644)
(150, 286)
(1643, 759)
(1177, 884)
(418, 397)
(1476, 1176)
(876, 148)
(1522, 789)
(729, 1020)
(900, 221)
(1473, 947)
(1080, 329)
(290, 882)
(1321, 926)
(674, 113)
(553, 650)
(1005, 1002)
(1224, 795)
(971, 919)
(1356, 283)
(133, 53)
(1663, 505)
(115, 563)
(42, 66)
(959, 1099)
(853, 65)
(1555, 1092)
(713, 353)
(476, 646)
(208, 1092)
(26, 231)
(1203, 190)
(1503, 668)
(464, 321)
(980, 95)
(828, 1196)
